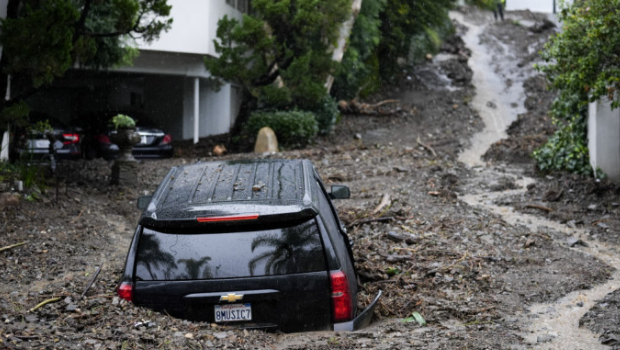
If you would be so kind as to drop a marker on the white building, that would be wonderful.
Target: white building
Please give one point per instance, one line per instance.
(167, 83)
(545, 6)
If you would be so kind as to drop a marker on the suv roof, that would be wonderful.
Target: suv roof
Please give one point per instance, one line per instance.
(233, 192)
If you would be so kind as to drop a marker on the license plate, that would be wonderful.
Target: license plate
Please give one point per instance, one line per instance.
(233, 312)
(41, 143)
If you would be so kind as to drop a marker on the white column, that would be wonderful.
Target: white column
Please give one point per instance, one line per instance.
(604, 138)
(196, 109)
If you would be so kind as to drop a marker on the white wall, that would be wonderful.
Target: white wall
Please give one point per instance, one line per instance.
(194, 26)
(604, 138)
(215, 109)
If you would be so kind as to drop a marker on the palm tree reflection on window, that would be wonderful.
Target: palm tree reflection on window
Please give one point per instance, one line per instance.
(157, 263)
(193, 268)
(296, 249)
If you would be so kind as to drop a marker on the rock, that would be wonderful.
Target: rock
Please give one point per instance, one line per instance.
(220, 335)
(219, 150)
(266, 141)
(396, 237)
(572, 241)
(544, 338)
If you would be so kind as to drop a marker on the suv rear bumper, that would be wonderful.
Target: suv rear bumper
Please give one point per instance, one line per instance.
(362, 320)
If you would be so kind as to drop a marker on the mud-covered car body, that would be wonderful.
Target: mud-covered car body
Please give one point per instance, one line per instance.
(251, 243)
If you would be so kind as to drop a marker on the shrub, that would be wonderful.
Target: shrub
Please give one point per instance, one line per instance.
(294, 129)
(567, 149)
(122, 121)
(327, 114)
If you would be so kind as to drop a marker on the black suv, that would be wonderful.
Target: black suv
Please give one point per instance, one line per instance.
(252, 243)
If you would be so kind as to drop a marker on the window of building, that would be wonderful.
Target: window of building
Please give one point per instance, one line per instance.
(241, 5)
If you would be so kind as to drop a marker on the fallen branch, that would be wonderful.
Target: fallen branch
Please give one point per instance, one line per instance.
(535, 206)
(384, 201)
(91, 281)
(355, 107)
(77, 217)
(599, 221)
(43, 303)
(427, 147)
(365, 221)
(12, 246)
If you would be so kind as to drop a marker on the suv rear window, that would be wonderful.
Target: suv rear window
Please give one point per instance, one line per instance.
(193, 256)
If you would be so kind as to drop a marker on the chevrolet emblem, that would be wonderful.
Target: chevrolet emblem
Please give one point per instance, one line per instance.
(231, 298)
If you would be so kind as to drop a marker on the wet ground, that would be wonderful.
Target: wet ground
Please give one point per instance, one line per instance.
(490, 253)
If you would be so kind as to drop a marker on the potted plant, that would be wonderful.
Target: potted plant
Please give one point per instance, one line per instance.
(125, 137)
(122, 121)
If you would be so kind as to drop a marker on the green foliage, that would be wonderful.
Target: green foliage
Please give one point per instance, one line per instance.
(428, 41)
(41, 127)
(43, 39)
(582, 62)
(483, 4)
(401, 21)
(415, 316)
(40, 41)
(358, 69)
(583, 59)
(294, 128)
(327, 114)
(16, 115)
(567, 149)
(281, 54)
(122, 121)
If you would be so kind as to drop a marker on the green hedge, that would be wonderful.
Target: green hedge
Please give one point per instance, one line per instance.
(294, 129)
(327, 114)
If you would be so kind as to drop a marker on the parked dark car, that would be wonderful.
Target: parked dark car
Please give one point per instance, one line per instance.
(64, 140)
(154, 142)
(251, 243)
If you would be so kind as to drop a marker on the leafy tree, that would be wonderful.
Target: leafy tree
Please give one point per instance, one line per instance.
(358, 70)
(401, 21)
(583, 63)
(281, 53)
(42, 39)
(584, 59)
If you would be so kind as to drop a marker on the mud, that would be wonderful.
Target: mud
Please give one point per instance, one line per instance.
(478, 259)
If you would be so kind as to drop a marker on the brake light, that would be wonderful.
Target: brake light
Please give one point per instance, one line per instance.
(102, 138)
(70, 138)
(228, 218)
(167, 139)
(125, 291)
(341, 299)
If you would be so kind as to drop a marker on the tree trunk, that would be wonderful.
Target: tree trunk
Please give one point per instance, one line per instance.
(345, 32)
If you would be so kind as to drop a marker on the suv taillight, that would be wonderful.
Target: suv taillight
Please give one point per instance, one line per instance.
(70, 138)
(341, 299)
(125, 291)
(167, 139)
(101, 138)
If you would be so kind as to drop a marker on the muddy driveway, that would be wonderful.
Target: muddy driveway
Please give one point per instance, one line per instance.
(490, 254)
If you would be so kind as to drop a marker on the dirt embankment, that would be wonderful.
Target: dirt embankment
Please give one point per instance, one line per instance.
(468, 272)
